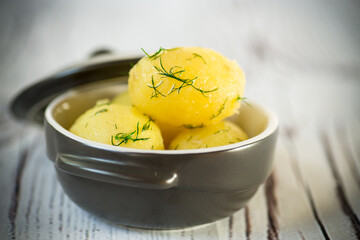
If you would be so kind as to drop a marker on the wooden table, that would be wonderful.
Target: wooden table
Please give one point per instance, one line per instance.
(302, 59)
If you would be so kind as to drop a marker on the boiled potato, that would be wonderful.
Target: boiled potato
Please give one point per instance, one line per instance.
(188, 86)
(118, 125)
(168, 132)
(217, 134)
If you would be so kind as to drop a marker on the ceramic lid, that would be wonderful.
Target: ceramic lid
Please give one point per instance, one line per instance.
(30, 103)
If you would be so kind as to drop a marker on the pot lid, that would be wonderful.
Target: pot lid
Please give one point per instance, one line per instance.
(30, 103)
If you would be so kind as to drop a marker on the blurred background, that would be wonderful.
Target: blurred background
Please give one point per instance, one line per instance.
(315, 41)
(301, 58)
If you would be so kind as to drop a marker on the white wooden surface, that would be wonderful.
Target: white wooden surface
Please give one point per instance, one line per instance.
(302, 59)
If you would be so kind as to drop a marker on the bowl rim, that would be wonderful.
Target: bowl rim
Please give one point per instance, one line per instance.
(270, 129)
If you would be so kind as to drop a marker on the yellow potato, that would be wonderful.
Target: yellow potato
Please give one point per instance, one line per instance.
(118, 125)
(168, 132)
(189, 86)
(217, 134)
(122, 98)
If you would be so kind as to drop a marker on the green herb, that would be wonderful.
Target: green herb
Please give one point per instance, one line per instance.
(131, 64)
(193, 126)
(244, 100)
(152, 147)
(155, 55)
(240, 98)
(156, 91)
(137, 130)
(100, 111)
(239, 139)
(176, 147)
(146, 126)
(199, 56)
(219, 111)
(189, 138)
(86, 125)
(177, 76)
(115, 126)
(126, 137)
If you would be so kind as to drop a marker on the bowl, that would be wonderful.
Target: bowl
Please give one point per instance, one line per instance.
(157, 189)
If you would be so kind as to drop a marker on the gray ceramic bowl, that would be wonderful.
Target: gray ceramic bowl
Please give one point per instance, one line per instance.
(157, 189)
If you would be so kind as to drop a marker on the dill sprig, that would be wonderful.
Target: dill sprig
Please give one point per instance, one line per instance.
(146, 126)
(190, 126)
(199, 56)
(185, 82)
(155, 87)
(244, 100)
(126, 137)
(240, 98)
(155, 55)
(219, 111)
(100, 111)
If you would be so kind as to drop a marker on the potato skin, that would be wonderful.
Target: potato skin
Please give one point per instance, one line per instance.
(214, 135)
(214, 85)
(104, 122)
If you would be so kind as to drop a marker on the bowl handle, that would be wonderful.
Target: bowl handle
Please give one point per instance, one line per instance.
(116, 172)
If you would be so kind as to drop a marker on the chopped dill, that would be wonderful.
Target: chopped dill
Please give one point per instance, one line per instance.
(101, 111)
(146, 126)
(219, 111)
(189, 138)
(156, 91)
(155, 55)
(152, 147)
(185, 82)
(240, 98)
(199, 56)
(193, 126)
(131, 64)
(239, 139)
(244, 100)
(176, 147)
(137, 130)
(115, 126)
(126, 137)
(86, 124)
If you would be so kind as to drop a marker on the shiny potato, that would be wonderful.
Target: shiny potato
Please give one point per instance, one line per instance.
(168, 132)
(188, 86)
(118, 125)
(214, 135)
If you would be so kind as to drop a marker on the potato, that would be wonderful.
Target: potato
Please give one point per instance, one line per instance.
(188, 86)
(122, 98)
(118, 125)
(168, 132)
(217, 134)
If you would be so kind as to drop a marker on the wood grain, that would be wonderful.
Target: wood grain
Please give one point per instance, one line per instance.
(301, 58)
